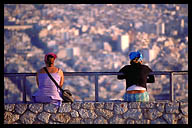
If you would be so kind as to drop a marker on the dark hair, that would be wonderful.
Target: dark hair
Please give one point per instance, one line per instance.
(132, 62)
(135, 61)
(49, 62)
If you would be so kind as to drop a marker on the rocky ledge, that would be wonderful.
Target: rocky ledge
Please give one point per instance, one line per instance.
(97, 113)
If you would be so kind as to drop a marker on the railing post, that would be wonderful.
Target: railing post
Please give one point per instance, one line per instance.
(96, 88)
(171, 87)
(24, 88)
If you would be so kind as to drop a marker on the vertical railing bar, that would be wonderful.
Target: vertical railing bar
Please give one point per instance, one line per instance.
(173, 91)
(19, 82)
(24, 88)
(171, 87)
(96, 88)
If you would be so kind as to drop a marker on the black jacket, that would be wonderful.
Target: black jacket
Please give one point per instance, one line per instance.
(137, 74)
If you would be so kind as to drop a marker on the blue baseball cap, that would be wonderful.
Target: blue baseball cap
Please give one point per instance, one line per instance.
(134, 55)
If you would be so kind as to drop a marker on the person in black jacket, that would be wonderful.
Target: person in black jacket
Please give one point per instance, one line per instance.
(136, 75)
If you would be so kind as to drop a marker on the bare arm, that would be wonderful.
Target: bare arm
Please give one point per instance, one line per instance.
(37, 79)
(62, 78)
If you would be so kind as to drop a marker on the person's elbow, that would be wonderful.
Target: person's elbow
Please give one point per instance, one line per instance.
(151, 79)
(119, 77)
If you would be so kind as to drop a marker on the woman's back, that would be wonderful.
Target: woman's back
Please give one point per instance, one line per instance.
(136, 76)
(47, 89)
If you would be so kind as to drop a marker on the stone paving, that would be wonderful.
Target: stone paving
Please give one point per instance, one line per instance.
(98, 113)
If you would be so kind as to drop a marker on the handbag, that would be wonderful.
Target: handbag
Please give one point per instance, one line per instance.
(66, 94)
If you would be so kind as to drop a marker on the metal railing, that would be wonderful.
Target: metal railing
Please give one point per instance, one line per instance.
(96, 75)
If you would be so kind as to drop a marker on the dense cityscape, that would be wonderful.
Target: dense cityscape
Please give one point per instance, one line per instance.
(96, 38)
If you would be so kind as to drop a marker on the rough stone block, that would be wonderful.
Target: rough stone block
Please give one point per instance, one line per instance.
(86, 121)
(147, 105)
(10, 118)
(133, 114)
(75, 121)
(158, 121)
(151, 114)
(160, 107)
(130, 121)
(65, 107)
(60, 117)
(88, 105)
(9, 107)
(28, 117)
(44, 117)
(50, 108)
(120, 108)
(172, 107)
(53, 122)
(20, 108)
(36, 108)
(134, 105)
(76, 105)
(74, 113)
(117, 119)
(170, 118)
(109, 105)
(142, 121)
(184, 108)
(105, 113)
(99, 105)
(100, 120)
(84, 113)
(183, 120)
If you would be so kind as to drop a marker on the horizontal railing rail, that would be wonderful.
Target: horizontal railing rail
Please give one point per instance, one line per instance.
(97, 74)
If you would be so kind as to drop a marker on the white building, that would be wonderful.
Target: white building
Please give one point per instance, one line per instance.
(150, 54)
(160, 28)
(66, 36)
(182, 25)
(76, 51)
(69, 53)
(107, 47)
(65, 53)
(51, 43)
(123, 42)
(153, 53)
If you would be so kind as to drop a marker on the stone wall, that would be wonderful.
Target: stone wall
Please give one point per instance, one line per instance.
(98, 113)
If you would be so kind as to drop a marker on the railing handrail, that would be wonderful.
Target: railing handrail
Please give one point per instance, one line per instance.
(99, 73)
(96, 74)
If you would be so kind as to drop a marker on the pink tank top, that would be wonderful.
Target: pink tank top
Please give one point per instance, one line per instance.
(47, 89)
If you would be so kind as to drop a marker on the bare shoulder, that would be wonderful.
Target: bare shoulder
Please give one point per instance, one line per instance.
(60, 72)
(41, 70)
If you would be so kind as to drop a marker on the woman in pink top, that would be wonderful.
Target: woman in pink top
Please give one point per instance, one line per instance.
(47, 91)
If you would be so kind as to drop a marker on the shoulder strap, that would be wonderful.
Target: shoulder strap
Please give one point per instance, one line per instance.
(58, 70)
(52, 78)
